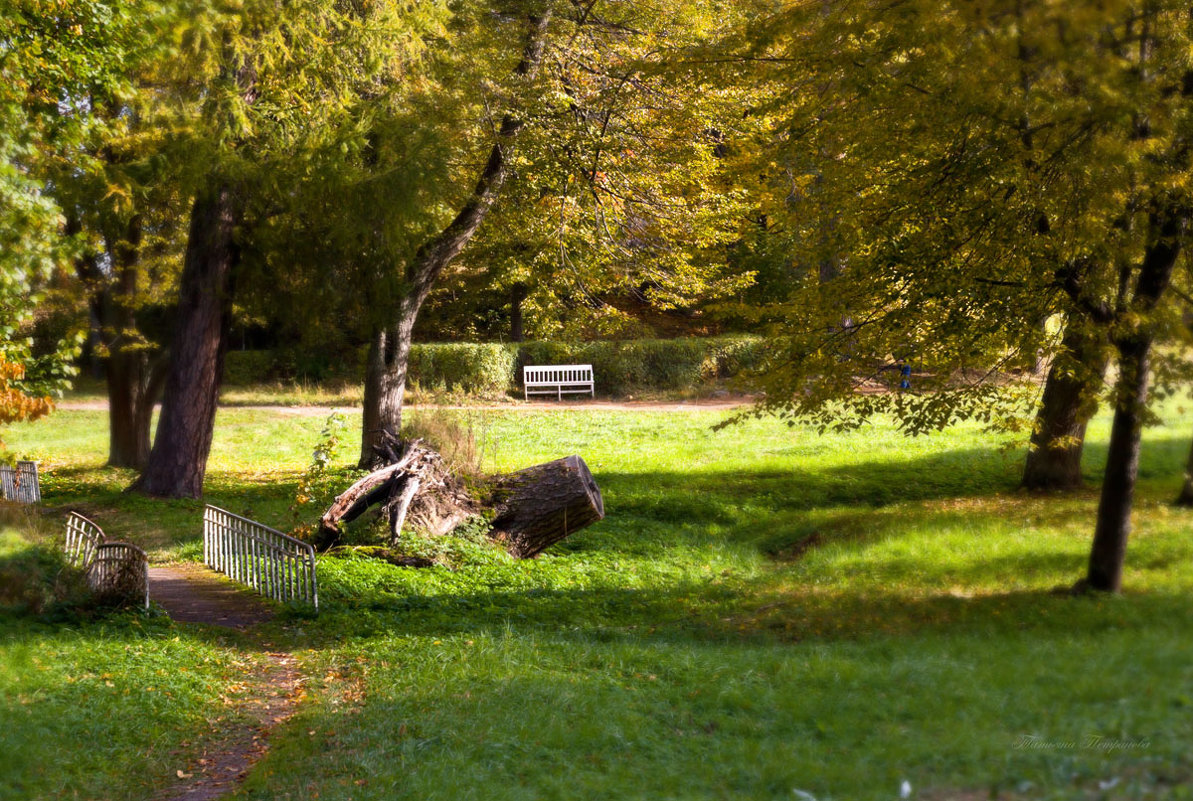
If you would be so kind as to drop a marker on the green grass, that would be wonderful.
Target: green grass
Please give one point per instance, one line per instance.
(108, 708)
(764, 610)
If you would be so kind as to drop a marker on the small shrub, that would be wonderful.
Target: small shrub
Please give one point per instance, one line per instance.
(319, 484)
(246, 367)
(322, 363)
(35, 576)
(737, 357)
(466, 545)
(482, 369)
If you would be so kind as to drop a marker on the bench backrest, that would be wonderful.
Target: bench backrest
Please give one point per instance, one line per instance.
(557, 373)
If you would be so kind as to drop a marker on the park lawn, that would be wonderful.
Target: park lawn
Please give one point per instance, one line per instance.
(764, 611)
(107, 707)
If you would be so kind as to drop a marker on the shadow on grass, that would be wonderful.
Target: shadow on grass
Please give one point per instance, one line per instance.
(709, 612)
(100, 493)
(953, 474)
(717, 497)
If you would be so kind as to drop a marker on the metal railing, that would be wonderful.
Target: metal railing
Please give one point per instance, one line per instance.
(119, 571)
(82, 538)
(20, 483)
(276, 565)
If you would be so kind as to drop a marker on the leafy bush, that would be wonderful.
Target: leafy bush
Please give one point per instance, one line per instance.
(245, 367)
(35, 576)
(651, 364)
(736, 357)
(323, 363)
(484, 369)
(321, 481)
(248, 367)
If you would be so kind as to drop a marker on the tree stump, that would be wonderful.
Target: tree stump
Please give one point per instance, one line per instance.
(539, 506)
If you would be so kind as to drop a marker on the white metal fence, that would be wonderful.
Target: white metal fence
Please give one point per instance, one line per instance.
(119, 571)
(82, 538)
(276, 565)
(20, 483)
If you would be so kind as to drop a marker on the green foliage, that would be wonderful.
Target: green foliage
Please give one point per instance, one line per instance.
(465, 547)
(492, 370)
(483, 369)
(320, 482)
(247, 367)
(930, 194)
(621, 187)
(659, 364)
(292, 365)
(35, 577)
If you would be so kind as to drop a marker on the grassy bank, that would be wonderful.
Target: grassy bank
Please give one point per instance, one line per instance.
(764, 611)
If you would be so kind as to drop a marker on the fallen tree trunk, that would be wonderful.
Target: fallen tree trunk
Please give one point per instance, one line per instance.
(532, 509)
(366, 492)
(539, 506)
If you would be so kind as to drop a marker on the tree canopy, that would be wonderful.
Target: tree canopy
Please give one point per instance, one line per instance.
(965, 192)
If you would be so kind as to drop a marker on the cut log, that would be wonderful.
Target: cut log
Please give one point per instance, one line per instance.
(539, 506)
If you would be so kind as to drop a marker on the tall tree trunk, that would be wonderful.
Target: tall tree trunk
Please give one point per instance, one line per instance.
(134, 383)
(1070, 400)
(133, 376)
(178, 460)
(385, 382)
(1186, 496)
(518, 294)
(1122, 468)
(389, 351)
(1134, 356)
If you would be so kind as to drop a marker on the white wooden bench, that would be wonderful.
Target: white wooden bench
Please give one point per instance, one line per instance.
(557, 379)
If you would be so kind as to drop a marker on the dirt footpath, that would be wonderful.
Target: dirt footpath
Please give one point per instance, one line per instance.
(697, 405)
(264, 698)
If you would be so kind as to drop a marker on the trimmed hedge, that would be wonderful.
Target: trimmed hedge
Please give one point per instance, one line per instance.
(494, 369)
(484, 369)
